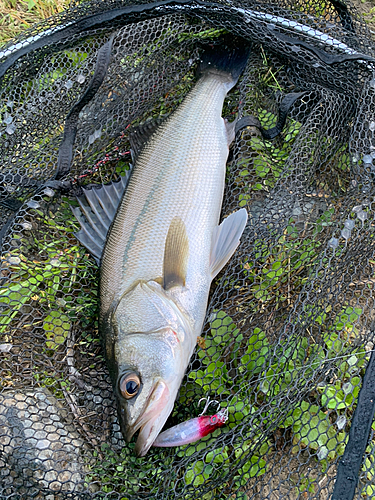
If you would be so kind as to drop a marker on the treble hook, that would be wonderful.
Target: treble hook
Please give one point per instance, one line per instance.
(208, 402)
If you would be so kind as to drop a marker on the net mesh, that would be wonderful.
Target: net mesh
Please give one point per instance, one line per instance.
(289, 326)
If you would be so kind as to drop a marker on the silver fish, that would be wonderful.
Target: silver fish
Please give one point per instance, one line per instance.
(164, 248)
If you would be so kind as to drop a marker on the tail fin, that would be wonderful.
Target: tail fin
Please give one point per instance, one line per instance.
(229, 57)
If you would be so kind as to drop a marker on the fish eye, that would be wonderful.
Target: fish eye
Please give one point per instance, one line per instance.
(129, 385)
(213, 420)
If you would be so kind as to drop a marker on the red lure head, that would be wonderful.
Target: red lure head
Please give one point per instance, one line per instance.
(209, 423)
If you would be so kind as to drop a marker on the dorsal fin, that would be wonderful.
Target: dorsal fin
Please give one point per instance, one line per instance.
(98, 207)
(176, 255)
(140, 135)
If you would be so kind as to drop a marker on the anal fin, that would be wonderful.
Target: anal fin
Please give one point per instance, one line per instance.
(97, 209)
(176, 255)
(225, 240)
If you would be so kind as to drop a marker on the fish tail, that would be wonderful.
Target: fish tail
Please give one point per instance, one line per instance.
(229, 58)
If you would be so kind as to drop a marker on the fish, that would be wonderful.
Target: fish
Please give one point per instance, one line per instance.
(157, 236)
(191, 430)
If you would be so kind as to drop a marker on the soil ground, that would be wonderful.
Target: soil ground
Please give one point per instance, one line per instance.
(367, 9)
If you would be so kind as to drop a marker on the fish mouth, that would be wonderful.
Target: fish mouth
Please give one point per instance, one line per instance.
(152, 419)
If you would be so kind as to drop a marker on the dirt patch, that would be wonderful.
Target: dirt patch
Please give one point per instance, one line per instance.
(367, 9)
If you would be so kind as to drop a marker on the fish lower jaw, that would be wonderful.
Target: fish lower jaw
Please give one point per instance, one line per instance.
(154, 417)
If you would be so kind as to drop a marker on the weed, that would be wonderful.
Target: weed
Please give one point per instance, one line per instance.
(52, 272)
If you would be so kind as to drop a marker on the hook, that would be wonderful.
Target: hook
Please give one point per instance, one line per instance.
(223, 414)
(208, 402)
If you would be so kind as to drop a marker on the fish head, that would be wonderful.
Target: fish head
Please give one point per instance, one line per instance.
(150, 368)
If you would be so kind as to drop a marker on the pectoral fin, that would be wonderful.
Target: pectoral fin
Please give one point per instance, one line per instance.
(225, 240)
(176, 255)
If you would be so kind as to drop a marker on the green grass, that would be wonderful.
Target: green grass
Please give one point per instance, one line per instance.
(370, 17)
(18, 15)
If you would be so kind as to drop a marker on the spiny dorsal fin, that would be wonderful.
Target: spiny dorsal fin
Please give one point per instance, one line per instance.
(97, 210)
(176, 255)
(141, 134)
(225, 240)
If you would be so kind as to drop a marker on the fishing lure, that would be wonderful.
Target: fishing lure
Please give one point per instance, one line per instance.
(194, 429)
